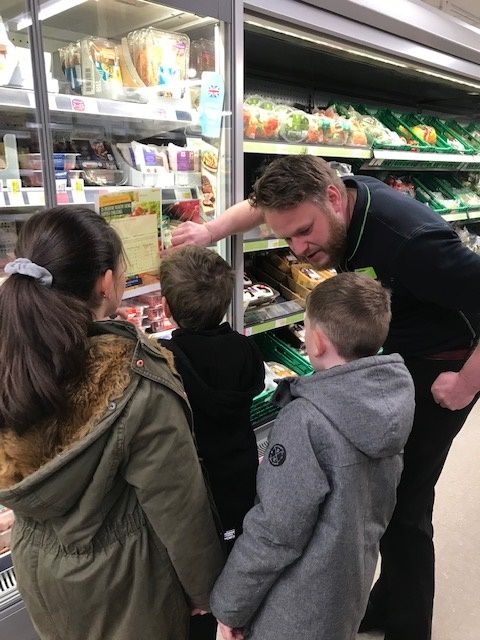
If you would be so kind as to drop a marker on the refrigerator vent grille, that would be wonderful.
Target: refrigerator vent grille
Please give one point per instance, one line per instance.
(8, 586)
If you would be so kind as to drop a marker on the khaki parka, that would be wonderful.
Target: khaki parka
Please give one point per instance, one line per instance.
(114, 537)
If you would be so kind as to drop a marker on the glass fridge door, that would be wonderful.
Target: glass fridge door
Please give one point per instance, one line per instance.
(140, 116)
(18, 128)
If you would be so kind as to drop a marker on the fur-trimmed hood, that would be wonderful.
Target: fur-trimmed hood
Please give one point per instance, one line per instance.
(51, 463)
(113, 529)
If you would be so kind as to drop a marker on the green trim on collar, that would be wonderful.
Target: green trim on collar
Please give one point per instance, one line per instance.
(369, 199)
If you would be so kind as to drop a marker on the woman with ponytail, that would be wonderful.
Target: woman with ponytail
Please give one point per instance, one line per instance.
(113, 537)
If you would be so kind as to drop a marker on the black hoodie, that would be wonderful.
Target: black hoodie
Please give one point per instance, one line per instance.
(222, 372)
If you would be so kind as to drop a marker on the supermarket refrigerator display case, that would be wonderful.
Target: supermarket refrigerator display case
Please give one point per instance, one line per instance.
(134, 110)
(124, 107)
(390, 92)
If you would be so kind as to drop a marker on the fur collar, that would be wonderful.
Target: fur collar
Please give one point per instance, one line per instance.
(108, 376)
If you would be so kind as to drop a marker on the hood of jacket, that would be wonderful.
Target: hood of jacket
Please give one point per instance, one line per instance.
(203, 361)
(45, 471)
(370, 401)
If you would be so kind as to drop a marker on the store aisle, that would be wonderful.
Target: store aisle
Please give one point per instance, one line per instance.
(457, 532)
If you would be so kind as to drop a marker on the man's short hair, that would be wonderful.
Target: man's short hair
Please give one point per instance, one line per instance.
(354, 312)
(291, 180)
(198, 286)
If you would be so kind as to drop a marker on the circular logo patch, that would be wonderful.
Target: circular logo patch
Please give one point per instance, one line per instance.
(277, 455)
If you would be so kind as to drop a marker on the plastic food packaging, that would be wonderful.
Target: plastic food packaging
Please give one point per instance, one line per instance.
(151, 299)
(160, 58)
(101, 75)
(35, 178)
(8, 56)
(294, 127)
(6, 518)
(280, 370)
(183, 159)
(150, 158)
(103, 177)
(5, 540)
(283, 261)
(33, 161)
(308, 277)
(71, 61)
(260, 124)
(93, 154)
(202, 56)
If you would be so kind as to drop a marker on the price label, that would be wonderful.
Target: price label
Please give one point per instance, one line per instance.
(2, 195)
(78, 190)
(36, 198)
(14, 191)
(185, 194)
(62, 195)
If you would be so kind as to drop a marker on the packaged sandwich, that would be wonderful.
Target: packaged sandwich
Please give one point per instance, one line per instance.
(160, 59)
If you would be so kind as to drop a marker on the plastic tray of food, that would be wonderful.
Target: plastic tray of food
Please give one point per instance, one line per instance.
(103, 177)
(273, 348)
(33, 161)
(6, 518)
(34, 177)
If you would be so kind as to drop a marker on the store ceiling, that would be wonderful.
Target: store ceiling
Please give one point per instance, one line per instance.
(337, 76)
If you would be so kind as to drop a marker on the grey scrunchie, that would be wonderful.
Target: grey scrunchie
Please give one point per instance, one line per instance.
(26, 267)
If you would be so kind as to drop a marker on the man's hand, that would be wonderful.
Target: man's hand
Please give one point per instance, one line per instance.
(198, 612)
(228, 633)
(191, 233)
(451, 391)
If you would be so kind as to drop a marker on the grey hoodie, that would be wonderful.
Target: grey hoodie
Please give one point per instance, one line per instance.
(326, 491)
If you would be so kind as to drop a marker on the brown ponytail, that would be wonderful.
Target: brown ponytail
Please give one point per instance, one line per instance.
(44, 331)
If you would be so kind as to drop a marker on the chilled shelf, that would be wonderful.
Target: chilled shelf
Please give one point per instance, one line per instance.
(263, 245)
(141, 291)
(275, 323)
(455, 217)
(377, 158)
(166, 117)
(331, 151)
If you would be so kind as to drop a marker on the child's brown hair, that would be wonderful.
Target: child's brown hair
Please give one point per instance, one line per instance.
(198, 286)
(354, 312)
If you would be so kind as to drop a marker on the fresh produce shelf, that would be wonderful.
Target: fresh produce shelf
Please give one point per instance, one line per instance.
(327, 151)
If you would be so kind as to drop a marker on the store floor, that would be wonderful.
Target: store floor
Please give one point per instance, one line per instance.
(457, 532)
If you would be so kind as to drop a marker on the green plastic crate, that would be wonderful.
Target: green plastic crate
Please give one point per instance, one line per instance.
(395, 123)
(368, 111)
(274, 349)
(465, 134)
(277, 350)
(444, 132)
(424, 191)
(454, 184)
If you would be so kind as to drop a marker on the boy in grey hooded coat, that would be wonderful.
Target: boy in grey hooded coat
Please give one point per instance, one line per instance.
(326, 488)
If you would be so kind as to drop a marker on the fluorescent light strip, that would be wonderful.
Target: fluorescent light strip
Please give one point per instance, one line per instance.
(449, 78)
(326, 43)
(362, 54)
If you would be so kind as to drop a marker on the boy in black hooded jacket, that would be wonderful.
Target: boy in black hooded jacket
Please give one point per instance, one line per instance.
(222, 372)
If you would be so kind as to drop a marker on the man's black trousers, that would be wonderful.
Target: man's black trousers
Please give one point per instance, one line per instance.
(402, 598)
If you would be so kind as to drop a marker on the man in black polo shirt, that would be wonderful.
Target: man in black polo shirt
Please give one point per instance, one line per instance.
(361, 224)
